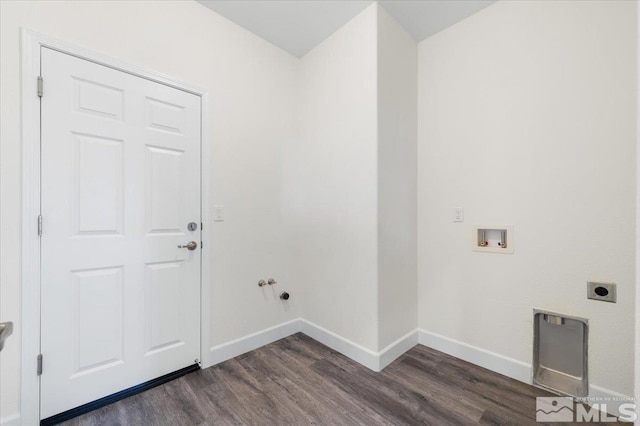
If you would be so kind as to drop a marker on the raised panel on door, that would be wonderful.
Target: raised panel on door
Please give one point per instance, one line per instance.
(120, 182)
(163, 319)
(97, 317)
(165, 116)
(163, 190)
(91, 97)
(98, 193)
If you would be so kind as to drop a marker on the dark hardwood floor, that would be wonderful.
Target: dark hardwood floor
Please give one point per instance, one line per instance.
(298, 381)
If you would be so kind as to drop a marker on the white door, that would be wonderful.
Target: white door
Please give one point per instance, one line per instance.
(120, 300)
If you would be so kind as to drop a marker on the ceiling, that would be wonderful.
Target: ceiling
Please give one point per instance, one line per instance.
(424, 18)
(298, 26)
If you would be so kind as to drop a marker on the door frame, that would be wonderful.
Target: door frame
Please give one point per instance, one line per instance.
(32, 43)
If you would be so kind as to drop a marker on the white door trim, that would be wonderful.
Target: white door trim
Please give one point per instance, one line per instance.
(32, 43)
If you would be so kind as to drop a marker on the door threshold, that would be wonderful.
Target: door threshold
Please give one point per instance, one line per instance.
(110, 399)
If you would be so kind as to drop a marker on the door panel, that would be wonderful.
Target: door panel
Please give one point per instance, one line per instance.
(98, 192)
(120, 183)
(97, 316)
(163, 322)
(164, 168)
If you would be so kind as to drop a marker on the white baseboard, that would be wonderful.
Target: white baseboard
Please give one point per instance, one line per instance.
(607, 399)
(596, 391)
(346, 347)
(253, 341)
(12, 420)
(490, 360)
(375, 361)
(397, 348)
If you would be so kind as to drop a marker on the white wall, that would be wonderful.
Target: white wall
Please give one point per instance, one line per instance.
(331, 183)
(397, 138)
(252, 85)
(527, 117)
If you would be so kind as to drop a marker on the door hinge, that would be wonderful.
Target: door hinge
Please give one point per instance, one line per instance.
(40, 86)
(39, 371)
(39, 225)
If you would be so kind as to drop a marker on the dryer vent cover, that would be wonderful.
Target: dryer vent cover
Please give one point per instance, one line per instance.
(560, 353)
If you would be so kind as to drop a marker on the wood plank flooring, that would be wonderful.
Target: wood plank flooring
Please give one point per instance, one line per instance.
(298, 381)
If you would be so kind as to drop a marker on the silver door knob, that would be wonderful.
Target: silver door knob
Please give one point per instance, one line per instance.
(191, 245)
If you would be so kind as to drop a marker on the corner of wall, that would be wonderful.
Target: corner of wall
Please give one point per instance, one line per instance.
(331, 183)
(396, 179)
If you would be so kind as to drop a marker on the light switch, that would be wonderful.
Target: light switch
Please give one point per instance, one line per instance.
(218, 215)
(458, 214)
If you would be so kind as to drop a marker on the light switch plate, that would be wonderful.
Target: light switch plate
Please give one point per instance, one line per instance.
(218, 213)
(458, 214)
